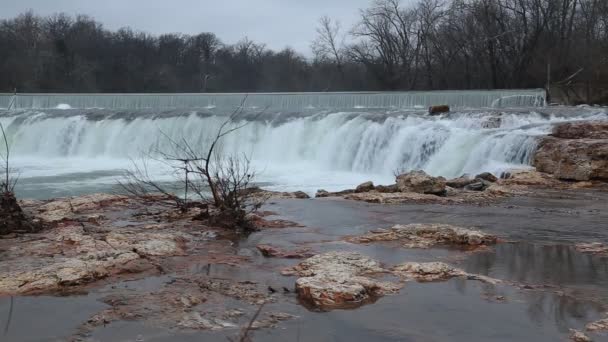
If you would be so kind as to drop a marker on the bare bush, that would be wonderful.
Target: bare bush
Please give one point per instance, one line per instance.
(210, 179)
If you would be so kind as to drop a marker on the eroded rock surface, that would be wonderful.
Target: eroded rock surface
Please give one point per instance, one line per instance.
(426, 235)
(436, 271)
(601, 325)
(271, 251)
(579, 336)
(575, 151)
(593, 248)
(339, 280)
(420, 182)
(68, 256)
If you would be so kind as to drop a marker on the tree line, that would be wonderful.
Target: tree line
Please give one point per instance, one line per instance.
(432, 44)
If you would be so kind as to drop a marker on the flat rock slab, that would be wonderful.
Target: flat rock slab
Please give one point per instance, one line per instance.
(427, 235)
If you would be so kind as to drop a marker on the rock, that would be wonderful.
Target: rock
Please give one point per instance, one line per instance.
(426, 235)
(581, 130)
(270, 251)
(365, 187)
(460, 182)
(322, 193)
(420, 182)
(601, 325)
(487, 176)
(592, 248)
(256, 192)
(575, 151)
(492, 122)
(437, 271)
(478, 185)
(579, 336)
(301, 195)
(337, 280)
(67, 208)
(434, 110)
(387, 188)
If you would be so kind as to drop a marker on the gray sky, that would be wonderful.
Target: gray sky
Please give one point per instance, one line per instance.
(278, 23)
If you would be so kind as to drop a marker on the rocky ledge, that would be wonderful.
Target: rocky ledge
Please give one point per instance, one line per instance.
(575, 151)
(339, 280)
(427, 235)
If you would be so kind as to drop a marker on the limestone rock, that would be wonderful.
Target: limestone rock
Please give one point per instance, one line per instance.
(579, 336)
(575, 151)
(365, 187)
(437, 271)
(426, 235)
(601, 325)
(338, 280)
(421, 182)
(270, 251)
(487, 176)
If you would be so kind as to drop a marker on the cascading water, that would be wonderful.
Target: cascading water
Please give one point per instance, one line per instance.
(61, 152)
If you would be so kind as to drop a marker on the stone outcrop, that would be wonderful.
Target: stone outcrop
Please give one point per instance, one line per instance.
(601, 325)
(579, 336)
(339, 280)
(275, 252)
(575, 151)
(68, 256)
(597, 248)
(435, 110)
(365, 187)
(436, 271)
(420, 182)
(427, 235)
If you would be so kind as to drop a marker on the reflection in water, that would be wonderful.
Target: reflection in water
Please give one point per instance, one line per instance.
(540, 264)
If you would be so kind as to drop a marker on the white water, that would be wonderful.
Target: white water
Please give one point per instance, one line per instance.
(63, 152)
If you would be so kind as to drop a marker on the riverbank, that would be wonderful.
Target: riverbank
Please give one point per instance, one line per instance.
(135, 271)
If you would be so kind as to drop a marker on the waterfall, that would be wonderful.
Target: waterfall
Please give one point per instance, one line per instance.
(287, 101)
(67, 150)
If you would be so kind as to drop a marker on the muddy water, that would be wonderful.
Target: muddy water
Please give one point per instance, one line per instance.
(557, 287)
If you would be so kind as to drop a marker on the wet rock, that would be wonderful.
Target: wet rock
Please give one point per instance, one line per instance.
(579, 336)
(69, 256)
(249, 292)
(195, 321)
(460, 182)
(601, 325)
(420, 182)
(487, 176)
(365, 187)
(258, 193)
(575, 151)
(426, 235)
(436, 271)
(270, 251)
(67, 208)
(338, 280)
(592, 248)
(581, 130)
(387, 188)
(492, 122)
(478, 185)
(434, 110)
(272, 320)
(322, 193)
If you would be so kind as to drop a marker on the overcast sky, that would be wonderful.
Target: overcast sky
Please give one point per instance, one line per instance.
(278, 23)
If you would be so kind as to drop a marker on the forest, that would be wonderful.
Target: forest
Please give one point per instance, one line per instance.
(431, 44)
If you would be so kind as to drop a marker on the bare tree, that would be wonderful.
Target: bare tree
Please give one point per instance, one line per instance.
(218, 181)
(329, 44)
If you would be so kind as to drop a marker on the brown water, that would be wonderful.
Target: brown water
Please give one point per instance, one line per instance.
(542, 230)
